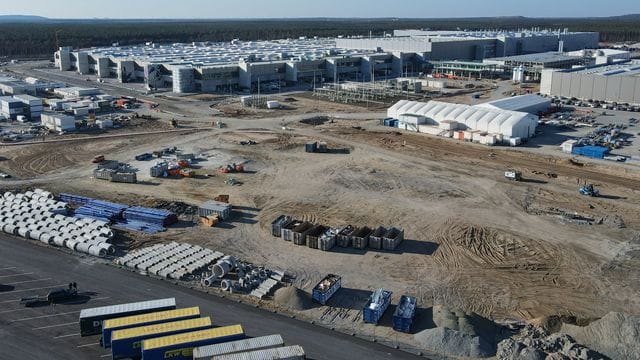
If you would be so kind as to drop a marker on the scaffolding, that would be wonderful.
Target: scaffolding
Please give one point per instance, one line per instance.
(377, 93)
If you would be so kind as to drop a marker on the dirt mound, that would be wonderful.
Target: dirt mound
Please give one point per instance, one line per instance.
(469, 323)
(553, 323)
(463, 244)
(453, 343)
(615, 335)
(293, 298)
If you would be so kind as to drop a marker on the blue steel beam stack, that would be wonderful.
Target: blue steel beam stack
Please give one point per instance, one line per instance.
(151, 216)
(74, 199)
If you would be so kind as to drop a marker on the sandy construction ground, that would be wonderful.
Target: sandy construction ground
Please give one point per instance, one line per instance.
(474, 240)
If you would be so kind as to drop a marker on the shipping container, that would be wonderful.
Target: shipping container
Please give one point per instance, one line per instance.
(257, 343)
(311, 147)
(126, 343)
(360, 237)
(91, 319)
(392, 238)
(180, 347)
(223, 210)
(597, 152)
(295, 352)
(376, 306)
(326, 288)
(404, 314)
(314, 234)
(111, 325)
(327, 240)
(344, 236)
(276, 225)
(300, 233)
(375, 240)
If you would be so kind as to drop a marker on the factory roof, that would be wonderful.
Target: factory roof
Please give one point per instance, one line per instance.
(517, 103)
(627, 69)
(541, 58)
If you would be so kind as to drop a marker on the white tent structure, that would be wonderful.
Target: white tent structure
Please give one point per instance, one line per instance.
(526, 103)
(509, 124)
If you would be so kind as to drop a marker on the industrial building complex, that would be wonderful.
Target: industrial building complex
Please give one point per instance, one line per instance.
(613, 83)
(211, 67)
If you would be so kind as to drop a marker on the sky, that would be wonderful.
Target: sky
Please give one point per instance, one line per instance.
(316, 8)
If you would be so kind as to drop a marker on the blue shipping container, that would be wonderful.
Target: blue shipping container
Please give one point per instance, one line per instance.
(388, 122)
(376, 306)
(404, 314)
(597, 152)
(325, 289)
(311, 147)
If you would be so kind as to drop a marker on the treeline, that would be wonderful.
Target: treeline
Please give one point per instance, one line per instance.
(38, 39)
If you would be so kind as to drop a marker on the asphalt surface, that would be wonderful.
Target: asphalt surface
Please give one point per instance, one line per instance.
(52, 332)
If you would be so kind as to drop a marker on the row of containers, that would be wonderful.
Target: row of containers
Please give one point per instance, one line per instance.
(157, 329)
(136, 218)
(186, 262)
(375, 307)
(38, 216)
(325, 238)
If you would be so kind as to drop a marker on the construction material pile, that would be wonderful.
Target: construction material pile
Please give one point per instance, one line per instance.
(36, 215)
(325, 238)
(136, 218)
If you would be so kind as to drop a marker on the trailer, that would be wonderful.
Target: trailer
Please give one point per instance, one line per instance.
(111, 325)
(91, 319)
(180, 347)
(344, 236)
(125, 343)
(376, 306)
(295, 352)
(253, 344)
(326, 288)
(404, 314)
(276, 225)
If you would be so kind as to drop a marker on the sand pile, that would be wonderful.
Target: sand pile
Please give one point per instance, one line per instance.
(615, 335)
(293, 298)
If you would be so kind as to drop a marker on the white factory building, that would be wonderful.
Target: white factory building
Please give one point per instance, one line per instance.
(488, 122)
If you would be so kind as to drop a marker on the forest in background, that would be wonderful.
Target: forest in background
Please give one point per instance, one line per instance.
(28, 38)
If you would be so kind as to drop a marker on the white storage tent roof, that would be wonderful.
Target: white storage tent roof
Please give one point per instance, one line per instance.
(496, 121)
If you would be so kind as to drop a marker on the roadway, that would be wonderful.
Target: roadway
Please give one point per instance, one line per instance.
(52, 331)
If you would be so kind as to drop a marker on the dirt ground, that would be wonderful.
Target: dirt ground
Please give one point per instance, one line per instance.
(474, 240)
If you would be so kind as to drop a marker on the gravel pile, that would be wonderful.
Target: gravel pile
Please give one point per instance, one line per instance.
(293, 298)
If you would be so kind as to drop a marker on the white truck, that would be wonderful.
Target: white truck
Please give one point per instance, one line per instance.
(513, 175)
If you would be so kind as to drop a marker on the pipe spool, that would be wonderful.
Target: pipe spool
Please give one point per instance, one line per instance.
(70, 243)
(24, 232)
(46, 239)
(35, 235)
(83, 247)
(59, 241)
(263, 275)
(97, 251)
(227, 285)
(210, 280)
(108, 247)
(221, 268)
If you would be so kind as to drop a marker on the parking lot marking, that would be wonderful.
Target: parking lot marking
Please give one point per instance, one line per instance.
(57, 325)
(85, 345)
(105, 355)
(26, 281)
(14, 310)
(4, 276)
(64, 336)
(8, 301)
(44, 316)
(40, 288)
(8, 268)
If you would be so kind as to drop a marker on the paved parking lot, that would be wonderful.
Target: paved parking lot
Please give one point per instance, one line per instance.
(52, 332)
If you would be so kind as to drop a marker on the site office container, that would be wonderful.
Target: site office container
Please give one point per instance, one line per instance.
(326, 288)
(111, 325)
(295, 352)
(257, 343)
(404, 314)
(91, 319)
(180, 347)
(276, 225)
(372, 312)
(127, 343)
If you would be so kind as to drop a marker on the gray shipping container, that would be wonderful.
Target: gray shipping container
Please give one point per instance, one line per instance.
(392, 238)
(360, 237)
(376, 239)
(344, 236)
(223, 210)
(300, 233)
(258, 343)
(120, 177)
(295, 352)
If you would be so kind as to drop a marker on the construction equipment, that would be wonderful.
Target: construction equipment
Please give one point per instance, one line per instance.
(513, 175)
(98, 159)
(53, 296)
(232, 181)
(209, 221)
(248, 142)
(187, 173)
(589, 190)
(222, 198)
(232, 168)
